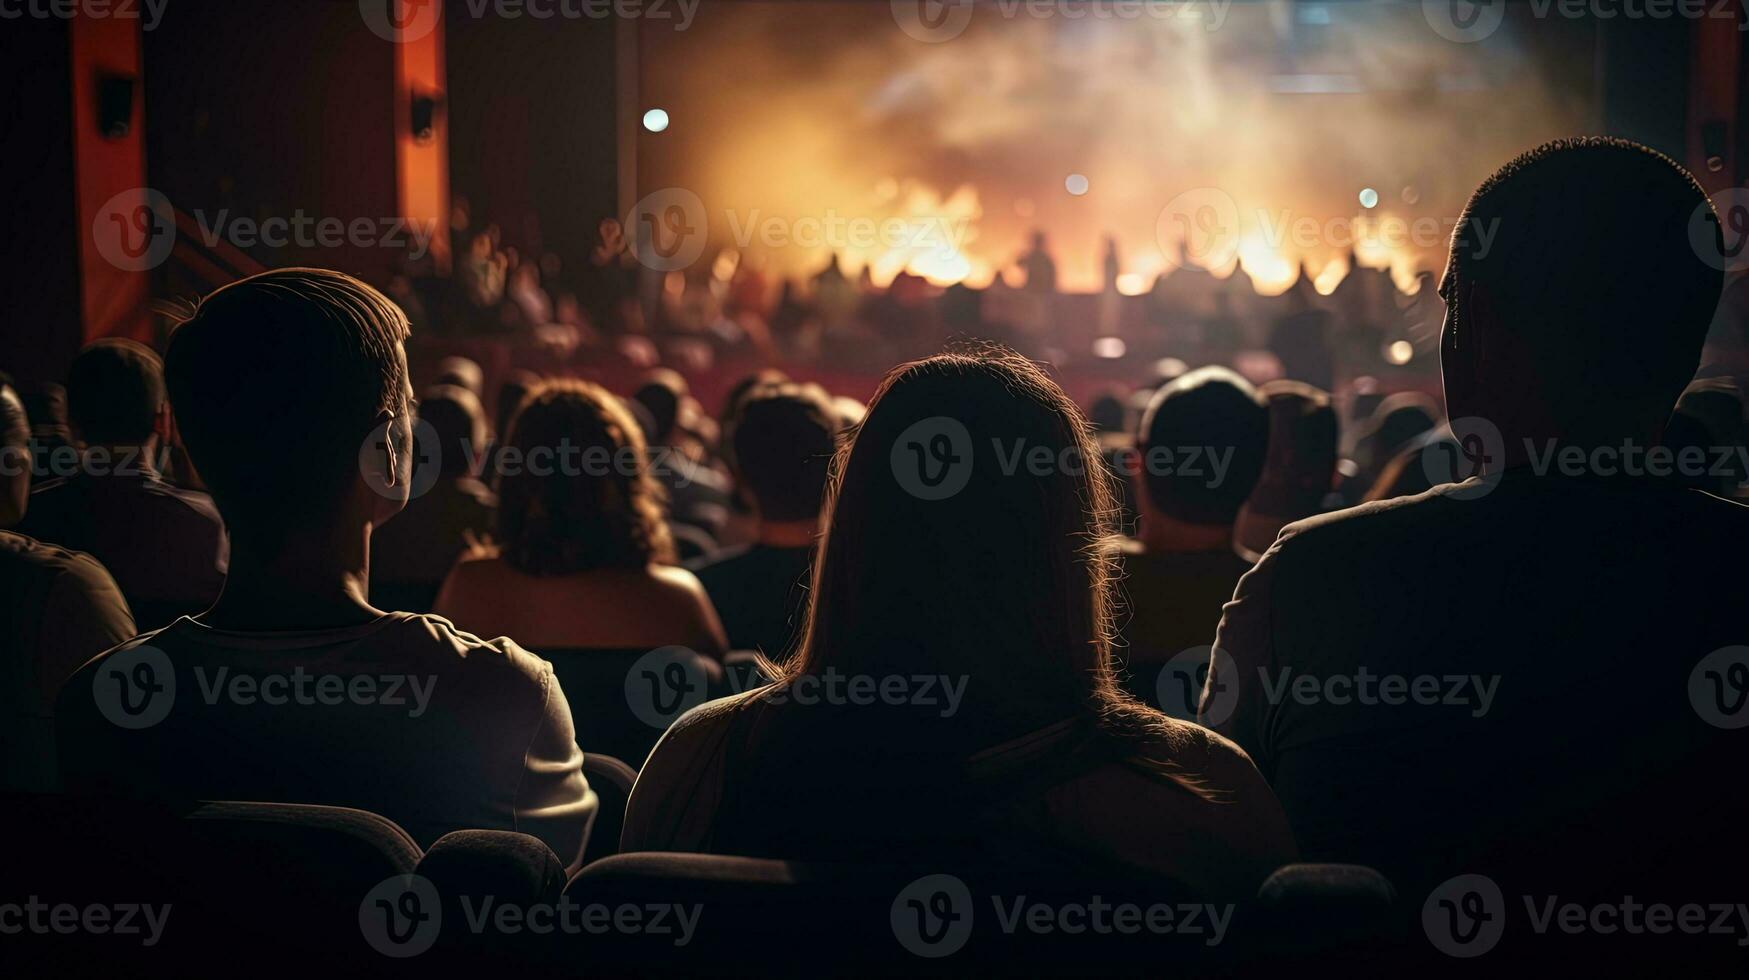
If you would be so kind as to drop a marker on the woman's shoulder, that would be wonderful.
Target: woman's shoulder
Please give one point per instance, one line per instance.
(1196, 751)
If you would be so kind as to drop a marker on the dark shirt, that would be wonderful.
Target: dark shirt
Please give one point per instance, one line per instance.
(1172, 604)
(165, 546)
(58, 609)
(1512, 683)
(759, 592)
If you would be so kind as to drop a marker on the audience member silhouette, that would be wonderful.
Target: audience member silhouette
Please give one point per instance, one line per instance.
(1200, 448)
(166, 546)
(1299, 472)
(290, 388)
(986, 579)
(58, 609)
(1508, 675)
(698, 496)
(582, 558)
(783, 438)
(411, 554)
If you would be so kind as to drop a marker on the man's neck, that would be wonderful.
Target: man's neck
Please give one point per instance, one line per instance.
(1164, 535)
(787, 534)
(316, 581)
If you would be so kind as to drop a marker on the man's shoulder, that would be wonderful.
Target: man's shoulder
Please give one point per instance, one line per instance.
(197, 505)
(63, 566)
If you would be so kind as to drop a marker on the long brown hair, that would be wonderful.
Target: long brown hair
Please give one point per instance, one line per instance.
(1006, 582)
(576, 493)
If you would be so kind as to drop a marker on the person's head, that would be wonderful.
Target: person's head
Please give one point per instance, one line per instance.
(661, 394)
(1576, 301)
(783, 445)
(462, 372)
(940, 556)
(1397, 420)
(458, 424)
(115, 394)
(1300, 465)
(1201, 443)
(291, 394)
(510, 395)
(1108, 412)
(576, 492)
(14, 455)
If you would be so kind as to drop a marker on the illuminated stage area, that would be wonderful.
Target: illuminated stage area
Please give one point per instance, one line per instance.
(1265, 135)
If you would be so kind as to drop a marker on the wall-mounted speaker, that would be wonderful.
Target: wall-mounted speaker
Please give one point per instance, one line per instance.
(115, 105)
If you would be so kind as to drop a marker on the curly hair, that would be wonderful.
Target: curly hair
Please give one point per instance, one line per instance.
(575, 491)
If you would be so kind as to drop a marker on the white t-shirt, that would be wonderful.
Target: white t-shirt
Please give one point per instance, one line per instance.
(405, 716)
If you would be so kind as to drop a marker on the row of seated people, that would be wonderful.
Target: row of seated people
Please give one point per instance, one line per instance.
(965, 569)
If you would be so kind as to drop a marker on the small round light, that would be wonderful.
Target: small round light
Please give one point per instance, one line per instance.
(1110, 348)
(1075, 184)
(1399, 352)
(656, 120)
(1369, 198)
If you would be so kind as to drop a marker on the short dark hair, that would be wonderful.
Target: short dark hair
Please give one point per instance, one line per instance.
(784, 441)
(661, 394)
(1211, 410)
(276, 381)
(1585, 248)
(459, 425)
(115, 389)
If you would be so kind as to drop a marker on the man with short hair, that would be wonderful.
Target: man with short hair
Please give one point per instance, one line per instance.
(166, 546)
(1198, 453)
(290, 389)
(1532, 673)
(783, 440)
(58, 609)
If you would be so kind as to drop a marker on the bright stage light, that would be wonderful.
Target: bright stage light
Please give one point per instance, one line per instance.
(1369, 198)
(656, 120)
(1075, 184)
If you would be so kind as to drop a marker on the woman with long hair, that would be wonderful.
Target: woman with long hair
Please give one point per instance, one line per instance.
(954, 690)
(581, 557)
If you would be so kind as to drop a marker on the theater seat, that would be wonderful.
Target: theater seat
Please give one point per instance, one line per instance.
(612, 781)
(623, 702)
(828, 912)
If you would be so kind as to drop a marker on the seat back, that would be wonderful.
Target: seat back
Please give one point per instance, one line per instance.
(233, 878)
(622, 700)
(612, 782)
